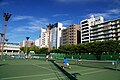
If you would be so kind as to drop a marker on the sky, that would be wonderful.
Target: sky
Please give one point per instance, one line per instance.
(28, 16)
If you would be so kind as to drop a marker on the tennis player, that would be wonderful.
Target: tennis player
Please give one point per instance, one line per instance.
(65, 63)
(79, 60)
(47, 56)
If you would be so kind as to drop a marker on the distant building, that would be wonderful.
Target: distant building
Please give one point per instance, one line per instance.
(44, 38)
(71, 35)
(37, 42)
(56, 35)
(11, 48)
(109, 30)
(86, 26)
(23, 44)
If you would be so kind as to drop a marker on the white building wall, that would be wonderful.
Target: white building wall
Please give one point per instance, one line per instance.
(37, 42)
(44, 38)
(86, 27)
(11, 48)
(55, 35)
(59, 34)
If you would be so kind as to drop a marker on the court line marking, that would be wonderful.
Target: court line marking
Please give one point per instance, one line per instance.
(94, 72)
(44, 68)
(55, 78)
(84, 70)
(25, 76)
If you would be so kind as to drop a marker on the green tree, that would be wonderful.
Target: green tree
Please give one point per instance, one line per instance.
(35, 49)
(23, 49)
(43, 50)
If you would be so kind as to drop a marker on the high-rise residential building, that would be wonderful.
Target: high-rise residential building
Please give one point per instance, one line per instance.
(109, 30)
(37, 42)
(55, 32)
(86, 26)
(44, 38)
(71, 35)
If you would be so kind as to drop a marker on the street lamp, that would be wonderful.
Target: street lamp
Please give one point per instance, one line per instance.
(27, 38)
(6, 41)
(6, 17)
(1, 40)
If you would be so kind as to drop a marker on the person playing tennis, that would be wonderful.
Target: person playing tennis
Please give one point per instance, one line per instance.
(79, 60)
(65, 63)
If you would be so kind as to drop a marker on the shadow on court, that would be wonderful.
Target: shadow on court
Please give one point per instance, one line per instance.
(3, 64)
(72, 76)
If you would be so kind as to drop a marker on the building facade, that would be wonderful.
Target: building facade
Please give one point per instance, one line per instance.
(44, 38)
(109, 30)
(71, 35)
(86, 27)
(28, 43)
(55, 35)
(11, 48)
(37, 42)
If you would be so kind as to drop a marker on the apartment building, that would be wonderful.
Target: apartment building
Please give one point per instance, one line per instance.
(71, 35)
(109, 30)
(86, 27)
(37, 42)
(44, 38)
(55, 35)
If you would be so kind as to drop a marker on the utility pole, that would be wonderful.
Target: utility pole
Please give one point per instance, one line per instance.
(26, 45)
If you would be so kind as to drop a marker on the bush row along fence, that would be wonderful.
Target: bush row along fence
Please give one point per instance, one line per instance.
(75, 56)
(83, 56)
(87, 56)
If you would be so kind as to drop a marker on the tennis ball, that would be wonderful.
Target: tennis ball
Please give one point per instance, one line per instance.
(113, 63)
(69, 67)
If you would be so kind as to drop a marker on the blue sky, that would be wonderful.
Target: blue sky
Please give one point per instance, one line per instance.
(28, 16)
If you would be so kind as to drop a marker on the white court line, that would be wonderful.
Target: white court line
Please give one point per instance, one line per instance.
(94, 72)
(55, 78)
(43, 67)
(32, 75)
(25, 76)
(83, 70)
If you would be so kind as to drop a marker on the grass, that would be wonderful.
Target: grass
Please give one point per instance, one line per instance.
(17, 69)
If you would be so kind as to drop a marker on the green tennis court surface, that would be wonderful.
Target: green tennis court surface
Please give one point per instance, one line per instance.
(41, 70)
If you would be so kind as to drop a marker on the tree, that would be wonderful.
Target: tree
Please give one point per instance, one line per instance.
(23, 49)
(35, 49)
(43, 50)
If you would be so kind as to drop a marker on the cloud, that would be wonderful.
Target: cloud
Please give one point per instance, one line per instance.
(30, 29)
(112, 13)
(33, 25)
(60, 15)
(67, 22)
(42, 22)
(17, 18)
(106, 15)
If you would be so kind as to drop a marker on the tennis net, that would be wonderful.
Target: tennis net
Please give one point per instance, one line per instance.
(104, 64)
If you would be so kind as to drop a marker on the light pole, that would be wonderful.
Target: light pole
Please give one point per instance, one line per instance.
(1, 40)
(6, 17)
(27, 38)
(6, 41)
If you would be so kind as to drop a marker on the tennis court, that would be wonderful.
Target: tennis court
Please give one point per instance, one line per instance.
(21, 69)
